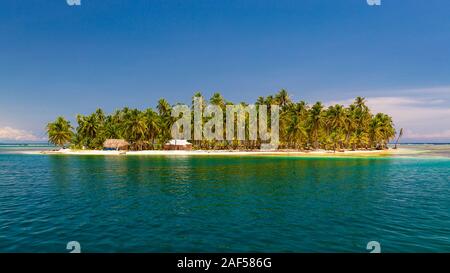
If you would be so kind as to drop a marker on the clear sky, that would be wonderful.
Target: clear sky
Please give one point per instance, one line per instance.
(57, 59)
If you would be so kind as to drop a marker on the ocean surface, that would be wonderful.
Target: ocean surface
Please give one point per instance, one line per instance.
(224, 204)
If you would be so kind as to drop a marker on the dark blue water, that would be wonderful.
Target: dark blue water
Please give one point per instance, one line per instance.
(223, 204)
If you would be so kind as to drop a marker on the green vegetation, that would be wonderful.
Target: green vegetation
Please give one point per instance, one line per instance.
(59, 132)
(302, 127)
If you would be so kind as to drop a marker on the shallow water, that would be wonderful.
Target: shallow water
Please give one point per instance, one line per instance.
(224, 204)
(428, 150)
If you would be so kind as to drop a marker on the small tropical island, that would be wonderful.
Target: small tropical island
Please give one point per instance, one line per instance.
(303, 128)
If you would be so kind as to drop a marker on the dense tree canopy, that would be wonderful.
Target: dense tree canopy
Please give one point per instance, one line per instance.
(302, 126)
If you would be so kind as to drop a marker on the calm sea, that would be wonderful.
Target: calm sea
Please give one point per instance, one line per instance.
(224, 204)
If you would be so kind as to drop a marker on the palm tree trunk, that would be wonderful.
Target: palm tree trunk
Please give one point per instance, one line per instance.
(399, 136)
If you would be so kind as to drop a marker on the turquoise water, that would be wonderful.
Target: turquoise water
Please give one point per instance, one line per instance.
(223, 204)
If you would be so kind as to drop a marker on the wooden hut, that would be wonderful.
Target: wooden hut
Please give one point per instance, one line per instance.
(115, 144)
(178, 144)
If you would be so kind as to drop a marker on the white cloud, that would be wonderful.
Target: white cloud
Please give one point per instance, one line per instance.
(8, 133)
(422, 118)
(439, 135)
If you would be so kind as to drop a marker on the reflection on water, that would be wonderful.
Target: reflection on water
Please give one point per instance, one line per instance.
(198, 204)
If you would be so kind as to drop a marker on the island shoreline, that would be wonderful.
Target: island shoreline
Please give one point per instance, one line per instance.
(230, 152)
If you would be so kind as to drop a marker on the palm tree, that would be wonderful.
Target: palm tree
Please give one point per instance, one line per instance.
(88, 128)
(136, 128)
(283, 98)
(337, 116)
(336, 119)
(381, 130)
(260, 101)
(152, 125)
(336, 137)
(360, 102)
(59, 132)
(292, 121)
(362, 113)
(163, 107)
(296, 132)
(388, 129)
(399, 136)
(111, 129)
(165, 120)
(315, 122)
(100, 115)
(197, 96)
(270, 100)
(353, 141)
(218, 100)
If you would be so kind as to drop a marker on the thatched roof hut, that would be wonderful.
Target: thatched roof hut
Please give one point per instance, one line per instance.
(117, 144)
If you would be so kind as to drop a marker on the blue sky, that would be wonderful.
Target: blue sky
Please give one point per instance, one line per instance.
(57, 59)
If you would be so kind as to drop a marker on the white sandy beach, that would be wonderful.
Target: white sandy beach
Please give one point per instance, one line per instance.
(229, 152)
